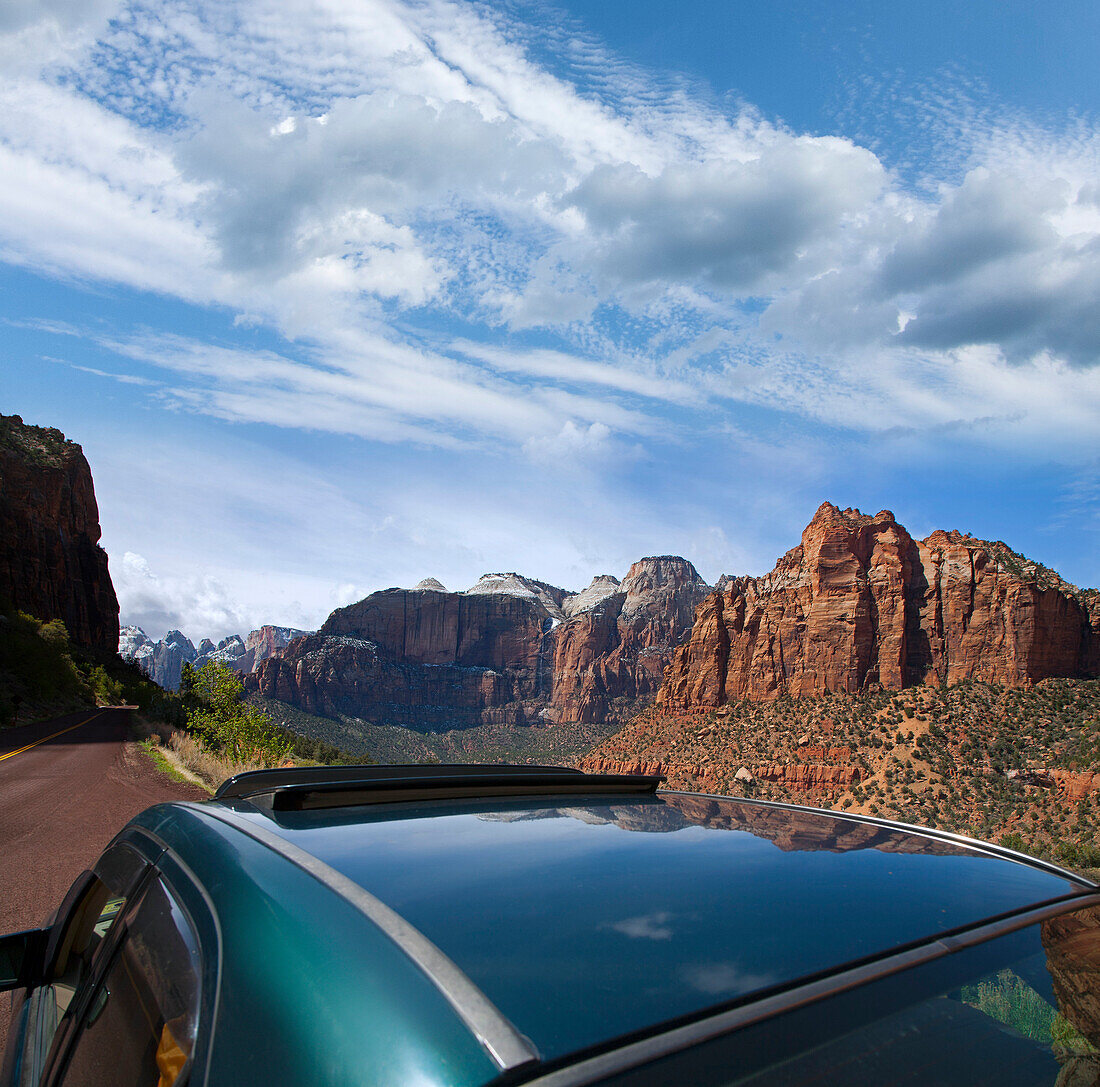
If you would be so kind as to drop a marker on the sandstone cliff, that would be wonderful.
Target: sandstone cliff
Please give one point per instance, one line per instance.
(421, 658)
(51, 564)
(619, 646)
(860, 602)
(261, 644)
(509, 650)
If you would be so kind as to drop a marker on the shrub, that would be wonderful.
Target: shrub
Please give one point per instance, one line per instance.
(226, 724)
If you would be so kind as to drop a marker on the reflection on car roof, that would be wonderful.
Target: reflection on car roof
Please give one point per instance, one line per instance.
(589, 921)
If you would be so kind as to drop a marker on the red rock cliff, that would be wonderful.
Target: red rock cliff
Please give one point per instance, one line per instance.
(50, 563)
(425, 659)
(861, 602)
(430, 659)
(619, 649)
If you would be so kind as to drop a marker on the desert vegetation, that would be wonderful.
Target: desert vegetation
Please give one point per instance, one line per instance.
(1016, 765)
(367, 741)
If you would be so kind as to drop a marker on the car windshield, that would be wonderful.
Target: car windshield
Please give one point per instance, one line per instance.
(1022, 1010)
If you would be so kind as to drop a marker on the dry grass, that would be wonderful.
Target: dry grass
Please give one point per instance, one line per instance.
(182, 749)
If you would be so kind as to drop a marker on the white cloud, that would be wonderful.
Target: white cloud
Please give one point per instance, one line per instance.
(650, 926)
(351, 178)
(200, 606)
(741, 226)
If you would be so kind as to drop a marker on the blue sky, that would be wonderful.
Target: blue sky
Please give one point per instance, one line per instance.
(340, 294)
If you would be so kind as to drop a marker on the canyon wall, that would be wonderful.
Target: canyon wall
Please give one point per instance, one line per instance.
(860, 602)
(51, 564)
(509, 650)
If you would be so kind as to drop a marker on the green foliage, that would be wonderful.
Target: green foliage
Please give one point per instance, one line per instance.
(37, 666)
(226, 724)
(1014, 1003)
(309, 749)
(43, 674)
(1068, 1038)
(1075, 854)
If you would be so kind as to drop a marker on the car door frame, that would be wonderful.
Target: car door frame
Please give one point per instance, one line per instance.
(183, 885)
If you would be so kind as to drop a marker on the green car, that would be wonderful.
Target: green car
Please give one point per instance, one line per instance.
(472, 925)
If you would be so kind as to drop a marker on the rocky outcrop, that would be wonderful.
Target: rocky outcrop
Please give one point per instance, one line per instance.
(510, 650)
(169, 656)
(135, 645)
(549, 596)
(421, 658)
(163, 661)
(262, 644)
(860, 602)
(51, 564)
(616, 649)
(487, 630)
(598, 591)
(812, 779)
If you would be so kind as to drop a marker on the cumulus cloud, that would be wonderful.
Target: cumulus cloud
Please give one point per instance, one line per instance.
(200, 606)
(733, 225)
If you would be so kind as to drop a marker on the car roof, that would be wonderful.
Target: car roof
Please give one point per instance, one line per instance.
(603, 911)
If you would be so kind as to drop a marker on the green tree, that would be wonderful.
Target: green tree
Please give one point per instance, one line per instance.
(226, 723)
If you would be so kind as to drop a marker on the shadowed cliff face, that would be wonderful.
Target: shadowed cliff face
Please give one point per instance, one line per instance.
(861, 602)
(50, 563)
(501, 653)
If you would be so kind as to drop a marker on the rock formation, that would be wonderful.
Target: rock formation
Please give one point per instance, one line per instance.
(168, 658)
(51, 564)
(618, 646)
(510, 650)
(860, 602)
(135, 645)
(262, 644)
(163, 661)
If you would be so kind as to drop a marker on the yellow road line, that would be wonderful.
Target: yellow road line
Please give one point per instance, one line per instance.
(20, 750)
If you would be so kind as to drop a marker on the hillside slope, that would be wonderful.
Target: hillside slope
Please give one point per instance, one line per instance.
(979, 758)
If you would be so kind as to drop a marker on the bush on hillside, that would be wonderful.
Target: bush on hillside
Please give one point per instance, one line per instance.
(226, 724)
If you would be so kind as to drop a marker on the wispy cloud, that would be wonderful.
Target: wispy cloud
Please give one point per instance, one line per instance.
(583, 299)
(429, 165)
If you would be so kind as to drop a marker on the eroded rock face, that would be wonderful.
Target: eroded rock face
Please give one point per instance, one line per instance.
(340, 674)
(422, 658)
(51, 564)
(228, 651)
(261, 644)
(618, 648)
(510, 650)
(134, 644)
(861, 602)
(168, 658)
(163, 661)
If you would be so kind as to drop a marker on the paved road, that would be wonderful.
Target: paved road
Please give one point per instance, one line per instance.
(67, 786)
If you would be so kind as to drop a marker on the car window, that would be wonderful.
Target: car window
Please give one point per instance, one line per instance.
(138, 1027)
(81, 936)
(1021, 1010)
